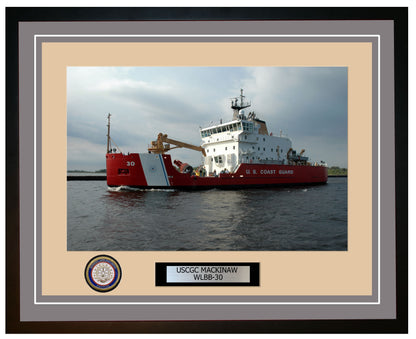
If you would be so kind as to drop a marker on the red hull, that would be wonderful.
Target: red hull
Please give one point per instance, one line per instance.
(156, 171)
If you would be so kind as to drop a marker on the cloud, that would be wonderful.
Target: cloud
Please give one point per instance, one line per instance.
(309, 104)
(85, 155)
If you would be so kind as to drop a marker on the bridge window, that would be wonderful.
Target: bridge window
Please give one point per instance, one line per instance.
(218, 159)
(250, 127)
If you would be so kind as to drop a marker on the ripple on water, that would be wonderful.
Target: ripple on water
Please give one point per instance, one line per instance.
(121, 219)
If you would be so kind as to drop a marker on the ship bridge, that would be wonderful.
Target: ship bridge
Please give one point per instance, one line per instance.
(232, 126)
(245, 139)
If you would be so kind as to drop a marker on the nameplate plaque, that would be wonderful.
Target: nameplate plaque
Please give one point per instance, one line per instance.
(207, 274)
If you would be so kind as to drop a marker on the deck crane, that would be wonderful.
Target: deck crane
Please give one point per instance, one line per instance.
(158, 146)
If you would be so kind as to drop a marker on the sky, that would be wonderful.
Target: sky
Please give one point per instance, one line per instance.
(309, 104)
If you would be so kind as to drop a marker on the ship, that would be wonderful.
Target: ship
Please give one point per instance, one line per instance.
(240, 153)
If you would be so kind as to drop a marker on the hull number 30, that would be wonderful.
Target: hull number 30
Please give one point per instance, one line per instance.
(131, 163)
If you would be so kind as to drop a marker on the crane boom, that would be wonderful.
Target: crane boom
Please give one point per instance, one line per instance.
(159, 148)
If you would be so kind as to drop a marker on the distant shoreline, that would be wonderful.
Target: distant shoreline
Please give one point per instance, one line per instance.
(85, 177)
(90, 172)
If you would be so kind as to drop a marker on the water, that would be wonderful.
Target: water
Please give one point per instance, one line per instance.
(310, 218)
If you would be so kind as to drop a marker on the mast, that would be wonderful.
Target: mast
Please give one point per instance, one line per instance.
(108, 133)
(237, 106)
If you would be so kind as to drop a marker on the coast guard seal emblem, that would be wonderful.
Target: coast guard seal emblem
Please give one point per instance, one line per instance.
(103, 273)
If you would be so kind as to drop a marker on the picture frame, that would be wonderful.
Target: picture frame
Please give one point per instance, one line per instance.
(41, 299)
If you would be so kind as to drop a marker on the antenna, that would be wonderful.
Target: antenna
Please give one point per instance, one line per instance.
(236, 106)
(109, 140)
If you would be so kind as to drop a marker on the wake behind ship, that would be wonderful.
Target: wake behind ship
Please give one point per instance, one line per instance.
(237, 154)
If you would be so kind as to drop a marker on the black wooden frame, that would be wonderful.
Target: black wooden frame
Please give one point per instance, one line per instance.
(16, 15)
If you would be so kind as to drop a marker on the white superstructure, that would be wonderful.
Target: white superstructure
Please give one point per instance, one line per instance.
(245, 139)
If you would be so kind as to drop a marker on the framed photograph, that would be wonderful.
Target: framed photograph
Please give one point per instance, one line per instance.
(206, 170)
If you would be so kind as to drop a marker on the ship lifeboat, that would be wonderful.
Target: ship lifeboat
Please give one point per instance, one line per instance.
(183, 167)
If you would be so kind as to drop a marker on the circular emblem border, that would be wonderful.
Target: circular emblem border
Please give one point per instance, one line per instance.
(102, 259)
